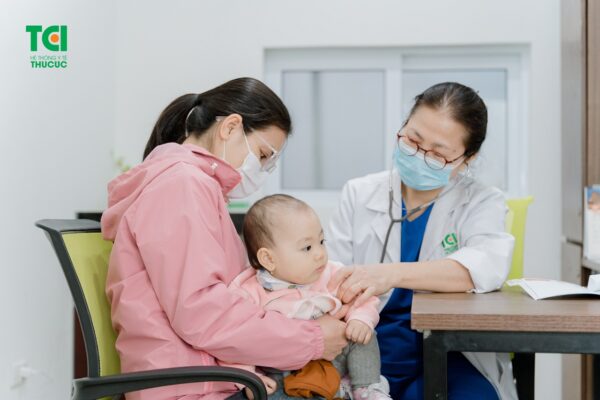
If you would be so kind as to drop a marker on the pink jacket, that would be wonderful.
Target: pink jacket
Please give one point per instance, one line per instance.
(175, 252)
(301, 303)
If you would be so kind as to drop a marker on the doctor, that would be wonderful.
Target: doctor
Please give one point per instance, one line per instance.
(427, 225)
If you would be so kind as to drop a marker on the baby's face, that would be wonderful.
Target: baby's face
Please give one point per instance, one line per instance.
(299, 254)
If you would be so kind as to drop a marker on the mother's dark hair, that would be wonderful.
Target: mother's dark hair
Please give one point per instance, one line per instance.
(258, 106)
(463, 105)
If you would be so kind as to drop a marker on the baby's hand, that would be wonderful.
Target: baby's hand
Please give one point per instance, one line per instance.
(358, 331)
(270, 384)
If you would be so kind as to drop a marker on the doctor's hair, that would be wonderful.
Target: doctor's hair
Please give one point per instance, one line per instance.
(463, 105)
(193, 114)
(260, 219)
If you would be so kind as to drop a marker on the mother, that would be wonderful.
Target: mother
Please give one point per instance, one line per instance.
(452, 239)
(176, 249)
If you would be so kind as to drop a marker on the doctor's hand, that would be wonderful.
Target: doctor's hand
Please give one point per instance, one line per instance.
(358, 283)
(334, 336)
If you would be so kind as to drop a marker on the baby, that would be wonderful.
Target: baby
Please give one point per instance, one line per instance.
(285, 244)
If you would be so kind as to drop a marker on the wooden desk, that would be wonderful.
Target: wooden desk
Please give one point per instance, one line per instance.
(505, 321)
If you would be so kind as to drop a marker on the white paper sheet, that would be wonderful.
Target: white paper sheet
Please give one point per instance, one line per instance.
(543, 289)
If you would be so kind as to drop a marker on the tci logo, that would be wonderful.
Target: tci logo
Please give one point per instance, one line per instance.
(54, 37)
(54, 41)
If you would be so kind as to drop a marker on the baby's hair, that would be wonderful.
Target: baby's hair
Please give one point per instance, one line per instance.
(260, 219)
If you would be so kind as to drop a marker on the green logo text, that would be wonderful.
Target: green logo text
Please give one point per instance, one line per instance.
(53, 38)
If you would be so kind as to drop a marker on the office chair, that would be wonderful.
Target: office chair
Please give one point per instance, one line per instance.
(515, 224)
(83, 255)
(523, 363)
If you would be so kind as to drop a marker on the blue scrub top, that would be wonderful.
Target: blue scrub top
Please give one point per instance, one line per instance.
(401, 347)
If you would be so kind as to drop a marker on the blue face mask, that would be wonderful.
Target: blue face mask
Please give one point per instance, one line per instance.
(418, 175)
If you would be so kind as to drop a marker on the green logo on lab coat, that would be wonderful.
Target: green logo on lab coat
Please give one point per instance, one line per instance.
(450, 243)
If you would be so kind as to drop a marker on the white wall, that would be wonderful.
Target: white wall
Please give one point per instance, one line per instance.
(59, 126)
(177, 47)
(56, 130)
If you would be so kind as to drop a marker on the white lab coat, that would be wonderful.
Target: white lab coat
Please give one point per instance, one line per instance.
(473, 212)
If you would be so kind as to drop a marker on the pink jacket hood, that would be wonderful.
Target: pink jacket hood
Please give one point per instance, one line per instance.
(126, 188)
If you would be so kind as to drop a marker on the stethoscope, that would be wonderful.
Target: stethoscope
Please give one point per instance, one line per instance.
(412, 211)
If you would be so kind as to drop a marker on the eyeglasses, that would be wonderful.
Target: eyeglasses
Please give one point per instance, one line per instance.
(271, 162)
(411, 148)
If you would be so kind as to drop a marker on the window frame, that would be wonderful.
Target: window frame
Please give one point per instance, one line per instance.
(514, 59)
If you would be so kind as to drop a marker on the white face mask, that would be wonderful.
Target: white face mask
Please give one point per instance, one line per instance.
(252, 174)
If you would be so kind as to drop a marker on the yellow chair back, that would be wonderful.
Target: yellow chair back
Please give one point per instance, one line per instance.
(515, 225)
(90, 253)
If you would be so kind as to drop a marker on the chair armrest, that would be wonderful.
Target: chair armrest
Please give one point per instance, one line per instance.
(95, 388)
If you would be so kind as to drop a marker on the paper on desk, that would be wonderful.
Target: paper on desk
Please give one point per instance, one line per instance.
(543, 289)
